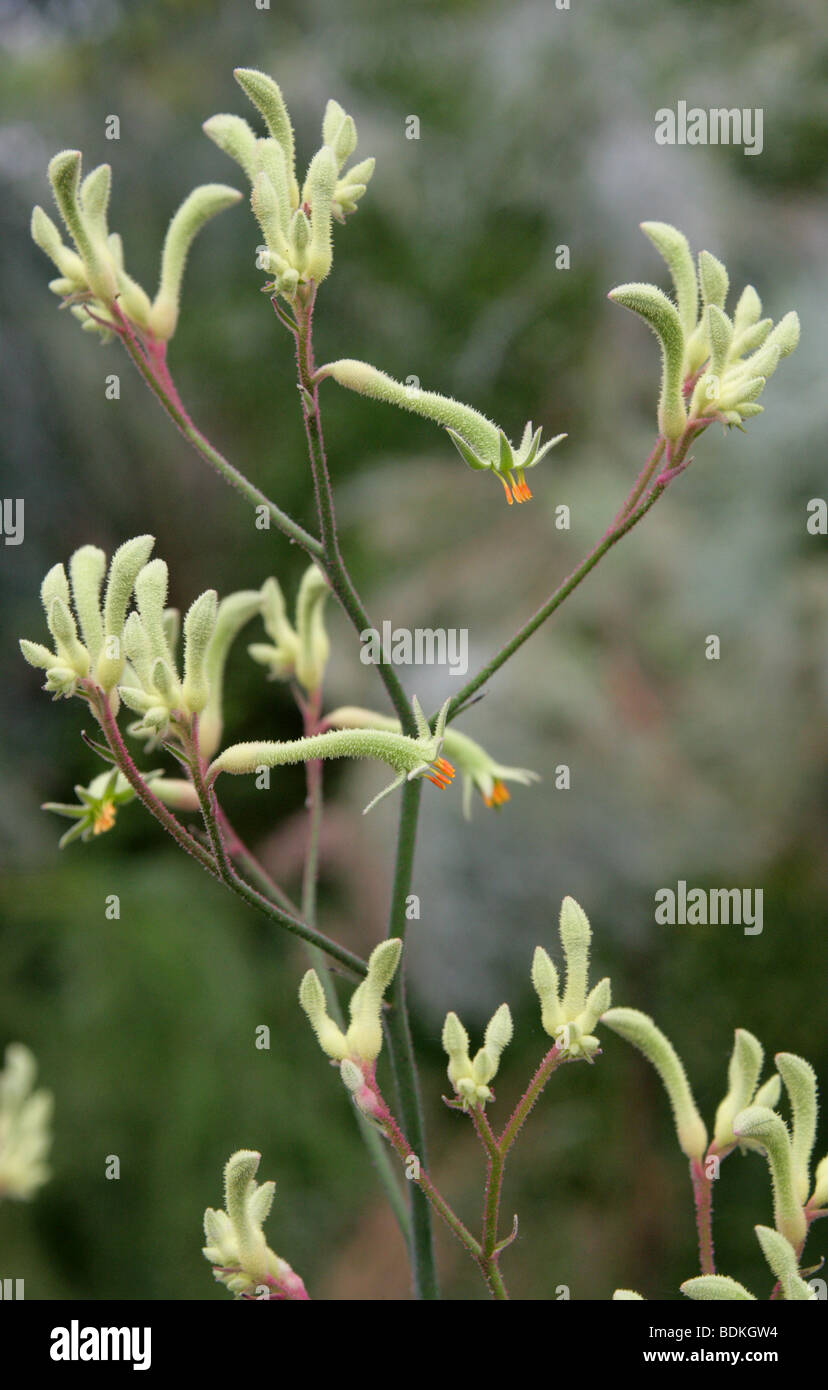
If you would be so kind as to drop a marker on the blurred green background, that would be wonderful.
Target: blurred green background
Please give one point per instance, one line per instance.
(536, 130)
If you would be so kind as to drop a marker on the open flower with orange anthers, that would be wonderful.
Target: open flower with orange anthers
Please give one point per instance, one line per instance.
(477, 769)
(478, 440)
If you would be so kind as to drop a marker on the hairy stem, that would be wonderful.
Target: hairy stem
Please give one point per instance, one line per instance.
(703, 1199)
(400, 1046)
(153, 368)
(633, 510)
(332, 561)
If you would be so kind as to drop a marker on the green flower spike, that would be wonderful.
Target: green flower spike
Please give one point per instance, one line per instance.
(97, 652)
(627, 1296)
(92, 276)
(771, 1133)
(236, 1246)
(723, 364)
(470, 1079)
(570, 1019)
(25, 1126)
(97, 805)
(362, 1042)
(480, 443)
(637, 1028)
(153, 688)
(801, 1085)
(471, 761)
(301, 651)
(296, 225)
(409, 757)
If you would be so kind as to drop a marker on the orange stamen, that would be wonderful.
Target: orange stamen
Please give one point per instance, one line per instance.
(441, 772)
(499, 795)
(505, 487)
(104, 820)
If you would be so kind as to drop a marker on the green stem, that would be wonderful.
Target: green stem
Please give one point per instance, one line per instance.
(211, 814)
(403, 1061)
(703, 1200)
(310, 875)
(633, 510)
(400, 1046)
(531, 1095)
(496, 1163)
(160, 383)
(332, 561)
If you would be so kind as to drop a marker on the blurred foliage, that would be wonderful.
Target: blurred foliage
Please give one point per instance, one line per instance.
(536, 131)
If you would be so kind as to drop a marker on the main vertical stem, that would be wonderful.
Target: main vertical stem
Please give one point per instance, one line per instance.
(400, 1046)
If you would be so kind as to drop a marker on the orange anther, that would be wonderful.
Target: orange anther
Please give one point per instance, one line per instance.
(104, 820)
(505, 488)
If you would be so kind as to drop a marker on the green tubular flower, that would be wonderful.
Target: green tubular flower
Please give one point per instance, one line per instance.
(152, 687)
(97, 805)
(95, 653)
(92, 276)
(233, 613)
(716, 1287)
(742, 1076)
(640, 1030)
(296, 225)
(771, 1133)
(25, 1126)
(470, 1078)
(362, 1042)
(409, 757)
(299, 651)
(236, 1246)
(571, 1018)
(782, 1260)
(471, 761)
(801, 1085)
(722, 364)
(479, 442)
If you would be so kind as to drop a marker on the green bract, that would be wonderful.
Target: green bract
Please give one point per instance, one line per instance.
(92, 276)
(720, 364)
(296, 224)
(478, 440)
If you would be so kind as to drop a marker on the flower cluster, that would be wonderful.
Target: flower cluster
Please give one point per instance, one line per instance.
(713, 366)
(570, 1017)
(469, 1076)
(236, 1247)
(25, 1126)
(92, 277)
(97, 653)
(296, 224)
(299, 651)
